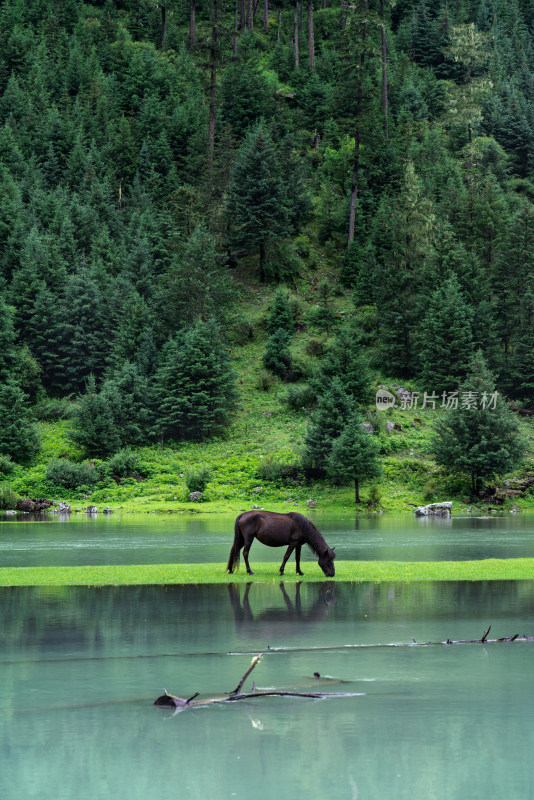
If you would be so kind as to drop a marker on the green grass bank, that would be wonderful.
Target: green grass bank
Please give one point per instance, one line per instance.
(346, 571)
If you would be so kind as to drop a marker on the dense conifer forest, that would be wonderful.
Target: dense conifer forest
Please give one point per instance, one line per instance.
(214, 213)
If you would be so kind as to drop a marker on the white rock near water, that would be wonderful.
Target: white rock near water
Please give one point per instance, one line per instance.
(435, 510)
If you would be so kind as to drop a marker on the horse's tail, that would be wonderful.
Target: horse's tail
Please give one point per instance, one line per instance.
(233, 561)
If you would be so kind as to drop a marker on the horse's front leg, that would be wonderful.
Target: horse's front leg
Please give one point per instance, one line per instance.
(297, 559)
(246, 549)
(288, 553)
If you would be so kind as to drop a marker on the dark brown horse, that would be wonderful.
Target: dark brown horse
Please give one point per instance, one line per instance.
(278, 530)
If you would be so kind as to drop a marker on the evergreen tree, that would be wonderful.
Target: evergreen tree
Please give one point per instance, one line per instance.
(332, 414)
(404, 235)
(19, 437)
(195, 385)
(85, 326)
(7, 341)
(256, 208)
(277, 357)
(346, 361)
(128, 395)
(480, 436)
(280, 315)
(446, 338)
(520, 372)
(354, 455)
(94, 427)
(197, 285)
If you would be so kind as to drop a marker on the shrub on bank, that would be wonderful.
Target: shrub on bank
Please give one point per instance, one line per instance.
(62, 472)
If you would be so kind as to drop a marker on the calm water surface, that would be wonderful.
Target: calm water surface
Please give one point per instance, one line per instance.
(152, 539)
(79, 669)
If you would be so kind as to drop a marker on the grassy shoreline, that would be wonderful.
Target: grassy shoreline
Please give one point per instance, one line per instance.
(346, 571)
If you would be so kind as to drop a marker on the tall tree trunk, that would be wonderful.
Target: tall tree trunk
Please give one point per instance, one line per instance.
(311, 44)
(384, 71)
(250, 15)
(323, 3)
(163, 26)
(279, 25)
(192, 22)
(356, 491)
(266, 15)
(242, 15)
(213, 81)
(296, 42)
(235, 30)
(356, 162)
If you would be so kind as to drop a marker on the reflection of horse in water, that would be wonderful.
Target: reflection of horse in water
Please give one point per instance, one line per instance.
(269, 623)
(279, 530)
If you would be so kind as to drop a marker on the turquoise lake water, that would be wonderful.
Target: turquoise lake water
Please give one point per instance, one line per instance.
(81, 667)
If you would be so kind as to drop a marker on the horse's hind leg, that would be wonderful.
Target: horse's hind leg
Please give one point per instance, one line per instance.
(288, 553)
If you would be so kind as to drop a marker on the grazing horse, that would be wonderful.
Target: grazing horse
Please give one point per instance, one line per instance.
(278, 530)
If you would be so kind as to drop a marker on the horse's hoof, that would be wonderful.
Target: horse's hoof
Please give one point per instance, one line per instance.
(300, 573)
(249, 571)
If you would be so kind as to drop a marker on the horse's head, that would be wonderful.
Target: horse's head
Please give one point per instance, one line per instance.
(326, 562)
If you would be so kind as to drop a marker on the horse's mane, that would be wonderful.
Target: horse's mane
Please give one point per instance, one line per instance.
(314, 538)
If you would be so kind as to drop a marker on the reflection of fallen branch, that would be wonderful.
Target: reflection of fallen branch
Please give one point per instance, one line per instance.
(179, 703)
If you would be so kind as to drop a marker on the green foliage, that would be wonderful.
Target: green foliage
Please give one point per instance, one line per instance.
(332, 414)
(70, 475)
(7, 466)
(123, 464)
(354, 455)
(8, 498)
(94, 427)
(197, 479)
(299, 397)
(277, 357)
(197, 284)
(280, 316)
(278, 468)
(195, 385)
(481, 440)
(256, 209)
(446, 338)
(19, 437)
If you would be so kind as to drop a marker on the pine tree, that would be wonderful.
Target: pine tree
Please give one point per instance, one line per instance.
(446, 338)
(478, 439)
(520, 370)
(354, 455)
(19, 437)
(280, 314)
(332, 414)
(129, 396)
(94, 427)
(256, 209)
(346, 361)
(403, 234)
(197, 284)
(7, 341)
(195, 385)
(277, 356)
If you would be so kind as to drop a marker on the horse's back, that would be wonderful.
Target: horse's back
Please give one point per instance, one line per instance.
(269, 527)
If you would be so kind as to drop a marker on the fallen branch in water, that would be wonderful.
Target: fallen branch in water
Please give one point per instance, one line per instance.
(483, 640)
(179, 703)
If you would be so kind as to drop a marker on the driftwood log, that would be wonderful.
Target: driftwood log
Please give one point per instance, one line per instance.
(179, 703)
(483, 640)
